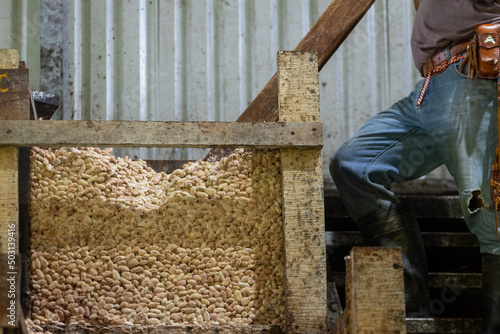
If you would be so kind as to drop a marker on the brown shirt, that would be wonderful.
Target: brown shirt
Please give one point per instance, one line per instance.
(439, 23)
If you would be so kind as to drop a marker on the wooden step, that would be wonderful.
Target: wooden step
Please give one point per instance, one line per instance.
(425, 206)
(431, 239)
(436, 280)
(442, 325)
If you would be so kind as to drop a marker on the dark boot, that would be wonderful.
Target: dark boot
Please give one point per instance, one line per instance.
(490, 294)
(397, 226)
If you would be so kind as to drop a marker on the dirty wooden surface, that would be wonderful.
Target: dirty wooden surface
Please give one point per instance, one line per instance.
(302, 180)
(14, 94)
(14, 86)
(374, 292)
(9, 287)
(325, 36)
(160, 134)
(161, 329)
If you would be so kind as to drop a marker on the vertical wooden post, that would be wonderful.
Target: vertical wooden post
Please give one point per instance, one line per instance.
(14, 104)
(302, 174)
(375, 301)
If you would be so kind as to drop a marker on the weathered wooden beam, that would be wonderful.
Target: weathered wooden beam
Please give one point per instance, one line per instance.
(302, 180)
(160, 134)
(431, 239)
(15, 98)
(442, 325)
(374, 292)
(170, 329)
(325, 36)
(14, 104)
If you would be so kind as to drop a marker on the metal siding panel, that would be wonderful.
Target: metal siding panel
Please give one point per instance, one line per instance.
(28, 38)
(231, 58)
(8, 16)
(196, 67)
(170, 66)
(197, 61)
(263, 43)
(20, 26)
(97, 92)
(71, 61)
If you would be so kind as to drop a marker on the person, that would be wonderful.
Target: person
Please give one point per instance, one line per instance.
(451, 119)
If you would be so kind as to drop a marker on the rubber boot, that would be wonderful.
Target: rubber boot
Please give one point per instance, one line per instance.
(490, 294)
(397, 226)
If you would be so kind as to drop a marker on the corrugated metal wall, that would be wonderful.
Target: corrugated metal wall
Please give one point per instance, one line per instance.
(194, 60)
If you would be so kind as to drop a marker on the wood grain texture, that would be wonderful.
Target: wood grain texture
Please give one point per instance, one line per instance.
(374, 292)
(14, 94)
(9, 60)
(8, 195)
(12, 86)
(160, 134)
(9, 287)
(161, 329)
(302, 180)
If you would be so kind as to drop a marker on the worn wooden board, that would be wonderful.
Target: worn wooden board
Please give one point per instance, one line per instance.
(341, 326)
(9, 290)
(161, 329)
(325, 36)
(160, 134)
(13, 87)
(8, 196)
(374, 292)
(302, 180)
(14, 94)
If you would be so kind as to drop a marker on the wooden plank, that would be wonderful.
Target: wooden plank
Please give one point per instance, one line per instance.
(160, 134)
(302, 180)
(342, 325)
(441, 325)
(431, 239)
(374, 292)
(170, 329)
(9, 290)
(14, 94)
(9, 196)
(13, 86)
(325, 36)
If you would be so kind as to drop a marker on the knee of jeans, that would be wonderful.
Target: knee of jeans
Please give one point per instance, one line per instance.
(341, 164)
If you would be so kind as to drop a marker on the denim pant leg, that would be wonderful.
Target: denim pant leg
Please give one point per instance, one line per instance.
(391, 147)
(461, 116)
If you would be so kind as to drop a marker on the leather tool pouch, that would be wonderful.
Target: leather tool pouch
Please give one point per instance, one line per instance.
(488, 50)
(483, 52)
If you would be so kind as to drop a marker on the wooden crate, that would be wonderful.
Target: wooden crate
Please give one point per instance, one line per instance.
(298, 135)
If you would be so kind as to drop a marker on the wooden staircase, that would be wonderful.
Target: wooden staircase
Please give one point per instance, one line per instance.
(452, 253)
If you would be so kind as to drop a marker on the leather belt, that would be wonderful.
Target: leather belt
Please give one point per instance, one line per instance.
(440, 57)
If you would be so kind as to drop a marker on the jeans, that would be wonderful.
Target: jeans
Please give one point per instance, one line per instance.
(455, 125)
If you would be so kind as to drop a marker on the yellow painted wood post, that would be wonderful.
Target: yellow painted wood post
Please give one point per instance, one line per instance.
(302, 176)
